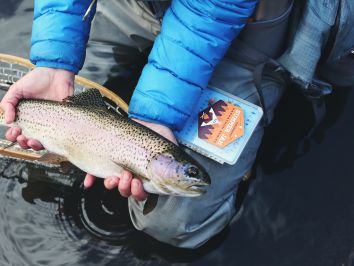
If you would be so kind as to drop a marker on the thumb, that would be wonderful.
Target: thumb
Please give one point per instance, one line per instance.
(9, 102)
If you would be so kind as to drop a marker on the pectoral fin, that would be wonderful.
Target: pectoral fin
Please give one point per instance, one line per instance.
(150, 203)
(152, 199)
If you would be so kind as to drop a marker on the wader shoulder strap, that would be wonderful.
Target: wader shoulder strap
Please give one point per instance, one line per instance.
(257, 62)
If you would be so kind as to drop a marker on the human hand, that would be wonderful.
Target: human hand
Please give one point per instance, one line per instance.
(40, 83)
(126, 183)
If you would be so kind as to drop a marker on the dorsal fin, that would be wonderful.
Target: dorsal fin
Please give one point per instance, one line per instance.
(89, 97)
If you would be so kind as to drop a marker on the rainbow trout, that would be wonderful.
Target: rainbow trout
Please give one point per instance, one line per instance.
(103, 143)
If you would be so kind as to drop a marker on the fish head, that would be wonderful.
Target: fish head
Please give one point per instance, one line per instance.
(178, 175)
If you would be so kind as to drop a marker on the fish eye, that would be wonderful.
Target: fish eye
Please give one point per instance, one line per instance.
(192, 171)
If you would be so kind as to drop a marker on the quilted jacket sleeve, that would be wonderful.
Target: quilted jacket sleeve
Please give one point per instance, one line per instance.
(59, 33)
(194, 37)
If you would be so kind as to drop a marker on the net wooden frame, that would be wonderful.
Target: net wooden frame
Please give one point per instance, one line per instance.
(17, 152)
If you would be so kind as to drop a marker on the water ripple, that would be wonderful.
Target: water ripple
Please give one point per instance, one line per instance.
(46, 220)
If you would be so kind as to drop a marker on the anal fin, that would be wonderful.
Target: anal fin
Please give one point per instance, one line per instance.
(52, 158)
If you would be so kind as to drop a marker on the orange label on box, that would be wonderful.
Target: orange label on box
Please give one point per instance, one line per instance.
(221, 123)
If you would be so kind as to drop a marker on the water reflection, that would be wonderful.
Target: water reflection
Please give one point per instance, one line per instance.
(285, 141)
(41, 220)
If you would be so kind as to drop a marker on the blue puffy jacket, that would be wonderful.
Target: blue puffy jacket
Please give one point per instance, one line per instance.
(194, 37)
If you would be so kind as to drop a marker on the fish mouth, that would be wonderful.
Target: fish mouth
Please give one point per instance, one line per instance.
(201, 185)
(198, 189)
(192, 190)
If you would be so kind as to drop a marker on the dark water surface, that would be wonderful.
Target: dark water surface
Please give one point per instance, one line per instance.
(299, 209)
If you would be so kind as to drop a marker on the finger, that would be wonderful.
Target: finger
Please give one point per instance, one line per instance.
(35, 144)
(22, 141)
(89, 180)
(124, 183)
(13, 133)
(137, 190)
(111, 182)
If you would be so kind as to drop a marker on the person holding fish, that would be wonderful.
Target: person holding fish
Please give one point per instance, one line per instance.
(188, 53)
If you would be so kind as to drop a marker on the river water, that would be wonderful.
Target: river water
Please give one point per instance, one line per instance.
(299, 210)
